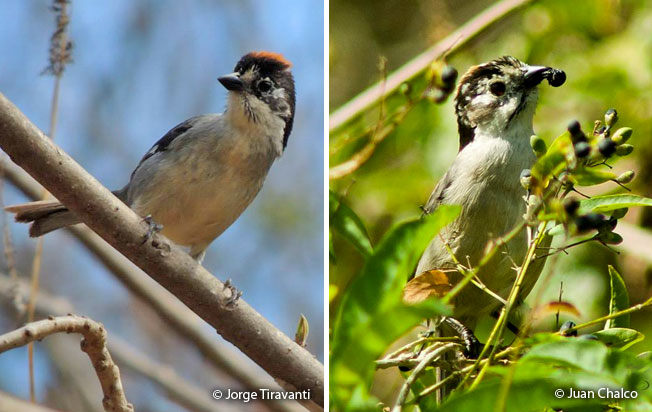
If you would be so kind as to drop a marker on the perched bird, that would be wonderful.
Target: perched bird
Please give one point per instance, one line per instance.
(198, 178)
(494, 105)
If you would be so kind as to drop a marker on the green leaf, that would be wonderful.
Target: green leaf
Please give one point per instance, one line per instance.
(621, 338)
(347, 223)
(600, 204)
(564, 364)
(550, 164)
(571, 353)
(525, 395)
(618, 301)
(592, 176)
(360, 401)
(372, 314)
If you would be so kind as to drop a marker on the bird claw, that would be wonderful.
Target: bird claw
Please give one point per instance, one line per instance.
(153, 228)
(235, 294)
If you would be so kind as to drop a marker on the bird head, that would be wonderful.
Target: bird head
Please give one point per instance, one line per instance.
(500, 96)
(261, 89)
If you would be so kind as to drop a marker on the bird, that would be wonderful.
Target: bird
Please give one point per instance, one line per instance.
(202, 174)
(495, 104)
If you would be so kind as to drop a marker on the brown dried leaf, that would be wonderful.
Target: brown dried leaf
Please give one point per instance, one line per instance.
(433, 283)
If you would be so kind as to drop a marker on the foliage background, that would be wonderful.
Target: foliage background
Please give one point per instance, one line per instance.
(141, 67)
(605, 48)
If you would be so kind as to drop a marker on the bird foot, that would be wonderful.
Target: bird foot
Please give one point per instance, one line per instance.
(153, 228)
(235, 294)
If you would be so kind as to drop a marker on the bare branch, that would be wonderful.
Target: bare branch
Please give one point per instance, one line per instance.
(164, 262)
(449, 45)
(180, 319)
(93, 343)
(125, 354)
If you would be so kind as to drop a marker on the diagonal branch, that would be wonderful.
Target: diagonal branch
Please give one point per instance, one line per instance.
(450, 44)
(167, 264)
(174, 313)
(94, 344)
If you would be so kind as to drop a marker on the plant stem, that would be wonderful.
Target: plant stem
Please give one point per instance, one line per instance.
(511, 301)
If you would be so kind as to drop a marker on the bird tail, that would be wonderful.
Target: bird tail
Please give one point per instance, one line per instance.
(45, 216)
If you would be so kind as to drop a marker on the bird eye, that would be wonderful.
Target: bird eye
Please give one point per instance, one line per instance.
(264, 86)
(497, 88)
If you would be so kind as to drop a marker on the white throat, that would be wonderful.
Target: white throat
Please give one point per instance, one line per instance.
(255, 119)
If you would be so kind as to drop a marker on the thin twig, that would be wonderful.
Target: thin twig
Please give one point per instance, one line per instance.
(515, 350)
(493, 248)
(427, 359)
(402, 356)
(93, 343)
(473, 278)
(377, 136)
(60, 47)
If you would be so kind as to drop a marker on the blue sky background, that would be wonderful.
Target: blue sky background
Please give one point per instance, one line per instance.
(141, 67)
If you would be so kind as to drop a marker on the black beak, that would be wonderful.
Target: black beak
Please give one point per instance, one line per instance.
(231, 82)
(534, 75)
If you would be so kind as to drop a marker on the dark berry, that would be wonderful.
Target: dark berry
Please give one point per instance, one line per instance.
(448, 77)
(574, 127)
(575, 130)
(607, 147)
(556, 78)
(571, 205)
(582, 149)
(589, 221)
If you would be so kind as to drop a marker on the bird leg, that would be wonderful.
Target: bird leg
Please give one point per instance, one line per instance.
(471, 343)
(153, 228)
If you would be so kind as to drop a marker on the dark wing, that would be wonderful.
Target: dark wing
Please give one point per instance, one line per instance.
(437, 196)
(165, 141)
